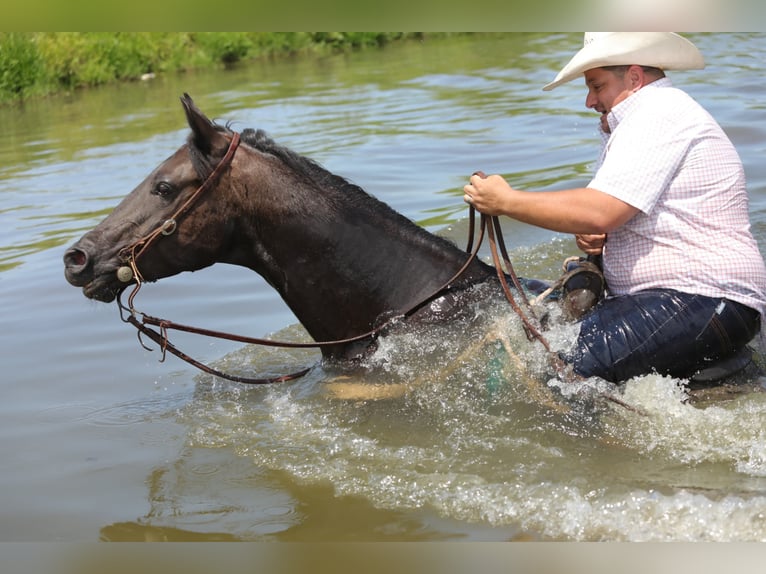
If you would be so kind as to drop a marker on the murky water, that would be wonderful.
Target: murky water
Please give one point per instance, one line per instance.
(101, 441)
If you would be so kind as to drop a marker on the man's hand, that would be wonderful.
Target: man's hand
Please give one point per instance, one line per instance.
(489, 195)
(591, 244)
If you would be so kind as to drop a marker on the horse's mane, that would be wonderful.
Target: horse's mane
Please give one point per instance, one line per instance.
(333, 189)
(312, 172)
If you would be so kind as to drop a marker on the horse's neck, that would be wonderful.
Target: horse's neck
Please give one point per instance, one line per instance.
(339, 273)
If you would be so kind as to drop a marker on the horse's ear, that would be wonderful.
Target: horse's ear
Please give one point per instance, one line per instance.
(205, 135)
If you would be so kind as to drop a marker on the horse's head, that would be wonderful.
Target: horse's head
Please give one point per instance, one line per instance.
(340, 258)
(168, 224)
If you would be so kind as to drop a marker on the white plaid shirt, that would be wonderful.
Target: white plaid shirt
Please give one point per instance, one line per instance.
(670, 159)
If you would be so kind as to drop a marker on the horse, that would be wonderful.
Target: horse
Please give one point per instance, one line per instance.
(343, 261)
(346, 264)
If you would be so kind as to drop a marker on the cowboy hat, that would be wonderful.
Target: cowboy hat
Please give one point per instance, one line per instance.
(664, 50)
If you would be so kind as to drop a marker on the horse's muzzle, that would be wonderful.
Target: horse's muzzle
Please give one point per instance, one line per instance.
(98, 281)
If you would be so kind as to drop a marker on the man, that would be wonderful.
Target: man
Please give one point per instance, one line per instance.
(667, 209)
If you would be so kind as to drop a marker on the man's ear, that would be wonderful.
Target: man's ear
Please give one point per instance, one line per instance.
(636, 77)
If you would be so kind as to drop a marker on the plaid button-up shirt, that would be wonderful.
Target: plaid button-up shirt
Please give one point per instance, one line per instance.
(670, 159)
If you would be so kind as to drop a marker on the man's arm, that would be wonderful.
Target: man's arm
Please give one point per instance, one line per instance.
(579, 211)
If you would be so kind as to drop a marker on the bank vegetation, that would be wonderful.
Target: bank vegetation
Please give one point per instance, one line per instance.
(34, 64)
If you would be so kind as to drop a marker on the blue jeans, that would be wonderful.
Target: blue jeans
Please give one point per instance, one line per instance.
(660, 330)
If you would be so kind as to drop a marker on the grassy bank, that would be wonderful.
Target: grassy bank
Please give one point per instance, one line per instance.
(40, 63)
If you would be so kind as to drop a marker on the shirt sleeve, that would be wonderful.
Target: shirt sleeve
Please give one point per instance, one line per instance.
(642, 157)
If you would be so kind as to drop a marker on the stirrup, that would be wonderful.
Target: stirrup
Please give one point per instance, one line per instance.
(582, 286)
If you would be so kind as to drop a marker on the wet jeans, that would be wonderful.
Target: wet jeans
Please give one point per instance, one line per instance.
(660, 330)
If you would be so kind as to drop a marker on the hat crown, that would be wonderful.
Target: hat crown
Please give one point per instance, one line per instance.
(664, 50)
(590, 37)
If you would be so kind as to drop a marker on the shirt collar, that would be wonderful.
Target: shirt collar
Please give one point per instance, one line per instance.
(621, 110)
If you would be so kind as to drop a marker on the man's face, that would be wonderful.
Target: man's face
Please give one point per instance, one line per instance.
(605, 90)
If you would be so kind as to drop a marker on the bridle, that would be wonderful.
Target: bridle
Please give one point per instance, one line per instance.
(130, 255)
(132, 252)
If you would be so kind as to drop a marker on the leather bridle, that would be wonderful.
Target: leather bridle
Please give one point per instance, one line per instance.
(131, 254)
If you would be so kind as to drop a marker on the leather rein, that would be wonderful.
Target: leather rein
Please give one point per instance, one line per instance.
(144, 323)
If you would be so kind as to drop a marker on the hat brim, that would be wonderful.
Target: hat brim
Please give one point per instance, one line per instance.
(664, 50)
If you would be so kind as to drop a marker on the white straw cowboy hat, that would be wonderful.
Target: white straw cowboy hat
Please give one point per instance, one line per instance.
(664, 50)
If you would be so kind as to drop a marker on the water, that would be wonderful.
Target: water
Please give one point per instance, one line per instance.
(102, 441)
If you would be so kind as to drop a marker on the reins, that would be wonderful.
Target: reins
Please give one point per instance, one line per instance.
(489, 226)
(492, 225)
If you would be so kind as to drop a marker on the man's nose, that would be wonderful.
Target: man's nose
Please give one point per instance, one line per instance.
(590, 101)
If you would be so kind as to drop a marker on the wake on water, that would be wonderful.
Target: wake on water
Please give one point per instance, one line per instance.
(492, 438)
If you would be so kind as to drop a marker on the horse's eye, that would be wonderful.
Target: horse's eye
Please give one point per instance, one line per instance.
(164, 189)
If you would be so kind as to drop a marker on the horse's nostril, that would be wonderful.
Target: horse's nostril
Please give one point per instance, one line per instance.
(75, 258)
(78, 267)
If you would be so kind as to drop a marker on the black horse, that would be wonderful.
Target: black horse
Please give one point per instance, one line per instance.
(343, 261)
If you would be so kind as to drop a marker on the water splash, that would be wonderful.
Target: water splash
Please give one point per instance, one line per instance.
(471, 440)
